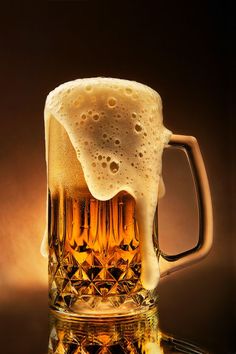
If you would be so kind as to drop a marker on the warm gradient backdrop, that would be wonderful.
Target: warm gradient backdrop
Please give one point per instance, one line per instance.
(183, 50)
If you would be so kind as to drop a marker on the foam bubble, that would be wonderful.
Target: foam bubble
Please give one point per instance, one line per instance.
(128, 91)
(138, 127)
(111, 102)
(88, 88)
(96, 116)
(114, 167)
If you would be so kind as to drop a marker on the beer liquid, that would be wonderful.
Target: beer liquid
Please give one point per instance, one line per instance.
(94, 255)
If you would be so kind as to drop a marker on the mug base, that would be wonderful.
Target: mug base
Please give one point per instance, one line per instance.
(106, 311)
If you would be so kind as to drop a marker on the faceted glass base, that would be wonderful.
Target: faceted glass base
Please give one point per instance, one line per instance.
(128, 335)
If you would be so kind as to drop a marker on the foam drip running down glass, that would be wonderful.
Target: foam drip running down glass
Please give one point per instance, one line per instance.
(104, 143)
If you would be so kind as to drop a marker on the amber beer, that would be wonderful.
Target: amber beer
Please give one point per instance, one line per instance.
(94, 256)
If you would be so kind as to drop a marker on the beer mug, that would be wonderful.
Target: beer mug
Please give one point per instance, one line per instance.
(104, 144)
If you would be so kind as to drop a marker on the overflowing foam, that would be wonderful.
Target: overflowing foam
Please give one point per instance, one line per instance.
(115, 127)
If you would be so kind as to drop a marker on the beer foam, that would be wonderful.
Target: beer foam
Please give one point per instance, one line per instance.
(116, 129)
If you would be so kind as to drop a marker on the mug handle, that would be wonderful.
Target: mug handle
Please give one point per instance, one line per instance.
(171, 263)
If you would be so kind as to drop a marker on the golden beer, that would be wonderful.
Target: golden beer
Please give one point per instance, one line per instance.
(94, 254)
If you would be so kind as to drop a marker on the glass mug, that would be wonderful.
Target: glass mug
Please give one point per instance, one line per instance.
(94, 247)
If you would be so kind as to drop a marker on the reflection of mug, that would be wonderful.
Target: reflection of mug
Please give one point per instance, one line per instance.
(138, 334)
(102, 259)
(122, 335)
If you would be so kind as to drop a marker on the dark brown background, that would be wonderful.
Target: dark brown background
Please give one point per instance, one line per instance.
(180, 48)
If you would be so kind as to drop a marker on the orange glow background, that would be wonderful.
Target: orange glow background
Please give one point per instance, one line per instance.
(182, 51)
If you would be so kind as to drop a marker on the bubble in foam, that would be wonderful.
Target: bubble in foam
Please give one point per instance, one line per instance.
(96, 116)
(88, 88)
(111, 102)
(128, 91)
(138, 128)
(114, 167)
(76, 102)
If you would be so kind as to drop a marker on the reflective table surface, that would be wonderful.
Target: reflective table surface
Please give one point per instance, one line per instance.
(27, 327)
